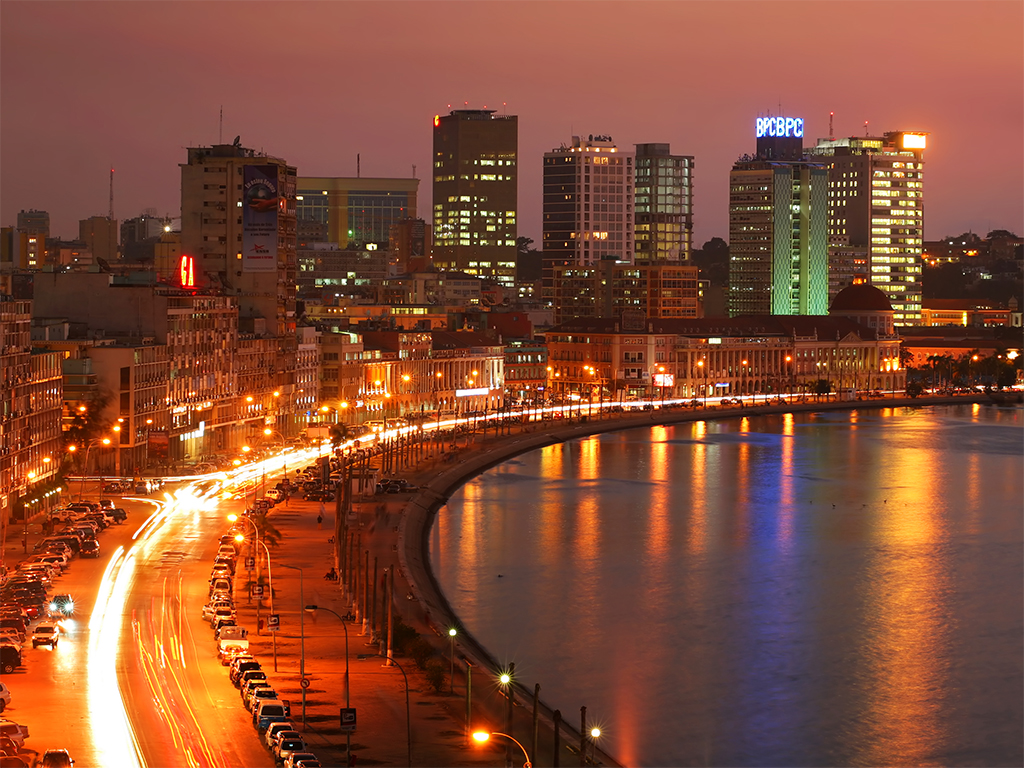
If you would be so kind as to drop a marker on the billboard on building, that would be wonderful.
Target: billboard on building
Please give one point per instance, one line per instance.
(260, 202)
(159, 443)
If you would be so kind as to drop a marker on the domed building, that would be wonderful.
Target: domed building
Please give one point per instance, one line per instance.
(865, 304)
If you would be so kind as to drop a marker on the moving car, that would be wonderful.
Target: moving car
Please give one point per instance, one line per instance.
(45, 634)
(56, 758)
(62, 605)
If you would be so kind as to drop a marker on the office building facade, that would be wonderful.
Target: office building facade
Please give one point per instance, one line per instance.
(778, 223)
(876, 216)
(664, 205)
(475, 193)
(588, 206)
(355, 211)
(238, 225)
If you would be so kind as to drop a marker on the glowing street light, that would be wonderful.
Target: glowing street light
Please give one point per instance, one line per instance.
(451, 676)
(483, 736)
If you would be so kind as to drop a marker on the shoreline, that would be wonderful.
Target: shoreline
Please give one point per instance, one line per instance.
(439, 483)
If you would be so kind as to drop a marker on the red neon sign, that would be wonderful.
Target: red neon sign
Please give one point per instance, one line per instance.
(187, 272)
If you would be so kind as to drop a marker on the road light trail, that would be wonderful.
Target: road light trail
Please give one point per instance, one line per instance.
(113, 735)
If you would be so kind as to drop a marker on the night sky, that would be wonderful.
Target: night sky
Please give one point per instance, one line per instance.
(86, 86)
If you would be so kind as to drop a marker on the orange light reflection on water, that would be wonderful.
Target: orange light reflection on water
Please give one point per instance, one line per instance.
(906, 633)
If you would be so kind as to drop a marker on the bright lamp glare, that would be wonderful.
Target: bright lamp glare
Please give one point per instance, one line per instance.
(481, 736)
(595, 732)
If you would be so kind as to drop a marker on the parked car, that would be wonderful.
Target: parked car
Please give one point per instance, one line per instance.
(318, 495)
(13, 731)
(45, 634)
(301, 760)
(274, 729)
(258, 694)
(287, 747)
(241, 666)
(90, 548)
(10, 658)
(5, 696)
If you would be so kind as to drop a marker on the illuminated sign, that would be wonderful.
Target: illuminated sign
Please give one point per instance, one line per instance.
(187, 272)
(914, 140)
(472, 392)
(780, 126)
(664, 380)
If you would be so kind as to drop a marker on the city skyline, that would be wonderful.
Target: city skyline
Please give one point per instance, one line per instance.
(131, 86)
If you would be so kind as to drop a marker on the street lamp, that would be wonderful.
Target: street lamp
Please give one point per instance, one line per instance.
(704, 389)
(408, 718)
(483, 736)
(24, 509)
(348, 736)
(270, 577)
(451, 676)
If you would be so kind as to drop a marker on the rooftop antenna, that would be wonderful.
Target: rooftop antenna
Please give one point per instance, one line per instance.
(414, 170)
(220, 131)
(110, 212)
(831, 135)
(865, 128)
(357, 165)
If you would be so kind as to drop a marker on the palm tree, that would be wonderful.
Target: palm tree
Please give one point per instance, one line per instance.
(339, 434)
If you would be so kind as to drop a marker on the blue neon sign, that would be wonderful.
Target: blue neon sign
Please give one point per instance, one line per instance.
(780, 126)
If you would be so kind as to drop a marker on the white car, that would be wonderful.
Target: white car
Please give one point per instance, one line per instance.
(287, 747)
(5, 697)
(15, 732)
(211, 608)
(274, 729)
(45, 634)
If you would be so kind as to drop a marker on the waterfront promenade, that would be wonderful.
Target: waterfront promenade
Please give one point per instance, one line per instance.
(393, 532)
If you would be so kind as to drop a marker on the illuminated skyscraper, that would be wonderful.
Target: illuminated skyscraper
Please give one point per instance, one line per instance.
(475, 193)
(664, 205)
(876, 219)
(778, 221)
(588, 206)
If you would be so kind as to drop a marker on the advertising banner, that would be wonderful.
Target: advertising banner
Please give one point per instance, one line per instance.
(260, 201)
(159, 443)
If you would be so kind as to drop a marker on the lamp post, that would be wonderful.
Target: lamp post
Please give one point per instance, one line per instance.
(451, 676)
(704, 386)
(743, 380)
(302, 639)
(270, 575)
(483, 736)
(348, 736)
(408, 718)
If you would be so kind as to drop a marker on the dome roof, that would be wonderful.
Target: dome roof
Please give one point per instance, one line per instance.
(860, 298)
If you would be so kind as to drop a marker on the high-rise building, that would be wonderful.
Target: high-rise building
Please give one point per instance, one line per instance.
(588, 206)
(476, 194)
(876, 216)
(238, 226)
(664, 205)
(356, 211)
(99, 234)
(778, 222)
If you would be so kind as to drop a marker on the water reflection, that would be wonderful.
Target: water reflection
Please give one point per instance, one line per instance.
(799, 590)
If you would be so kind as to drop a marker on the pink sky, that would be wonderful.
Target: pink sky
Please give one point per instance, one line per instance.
(89, 85)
